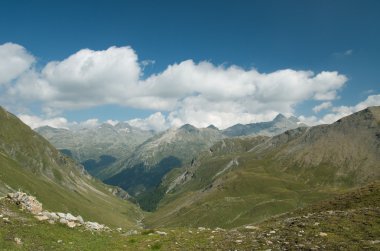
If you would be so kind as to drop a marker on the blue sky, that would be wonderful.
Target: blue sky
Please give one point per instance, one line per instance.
(169, 57)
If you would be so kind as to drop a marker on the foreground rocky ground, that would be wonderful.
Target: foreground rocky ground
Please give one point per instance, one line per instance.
(348, 222)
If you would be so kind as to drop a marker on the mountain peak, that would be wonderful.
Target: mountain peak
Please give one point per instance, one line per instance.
(213, 127)
(279, 117)
(188, 127)
(122, 125)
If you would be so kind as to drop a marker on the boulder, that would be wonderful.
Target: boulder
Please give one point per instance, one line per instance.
(71, 224)
(70, 217)
(63, 221)
(61, 215)
(161, 233)
(27, 202)
(80, 219)
(41, 217)
(93, 226)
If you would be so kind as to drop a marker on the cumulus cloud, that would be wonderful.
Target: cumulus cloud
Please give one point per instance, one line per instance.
(341, 111)
(112, 122)
(156, 122)
(85, 79)
(322, 106)
(200, 93)
(14, 60)
(35, 121)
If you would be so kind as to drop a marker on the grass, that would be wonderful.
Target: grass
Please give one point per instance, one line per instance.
(30, 164)
(250, 192)
(349, 222)
(103, 208)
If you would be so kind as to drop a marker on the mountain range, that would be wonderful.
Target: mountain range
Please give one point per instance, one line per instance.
(250, 179)
(136, 160)
(195, 179)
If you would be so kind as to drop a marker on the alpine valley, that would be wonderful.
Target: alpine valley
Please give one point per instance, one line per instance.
(276, 185)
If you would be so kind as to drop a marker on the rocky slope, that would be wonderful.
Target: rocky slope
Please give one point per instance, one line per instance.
(250, 179)
(142, 171)
(99, 147)
(28, 162)
(278, 125)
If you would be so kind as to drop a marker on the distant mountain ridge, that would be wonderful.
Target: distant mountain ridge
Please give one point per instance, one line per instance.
(278, 125)
(98, 147)
(136, 160)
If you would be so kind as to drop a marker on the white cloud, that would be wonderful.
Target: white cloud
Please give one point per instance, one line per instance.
(322, 106)
(85, 79)
(156, 121)
(35, 121)
(198, 93)
(14, 60)
(342, 111)
(112, 122)
(90, 123)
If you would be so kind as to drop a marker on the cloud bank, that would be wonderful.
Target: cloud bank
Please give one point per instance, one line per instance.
(200, 93)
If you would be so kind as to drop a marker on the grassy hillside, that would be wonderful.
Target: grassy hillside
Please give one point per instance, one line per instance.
(251, 179)
(347, 222)
(29, 163)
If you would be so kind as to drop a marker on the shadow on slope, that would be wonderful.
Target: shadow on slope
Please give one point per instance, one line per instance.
(143, 182)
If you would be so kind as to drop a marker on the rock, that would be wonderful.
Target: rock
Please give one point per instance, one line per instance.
(316, 223)
(1, 216)
(54, 216)
(18, 241)
(63, 221)
(238, 241)
(41, 217)
(251, 227)
(59, 241)
(272, 232)
(131, 232)
(29, 203)
(6, 220)
(201, 228)
(70, 217)
(71, 224)
(322, 234)
(119, 229)
(161, 233)
(80, 219)
(93, 225)
(375, 242)
(61, 215)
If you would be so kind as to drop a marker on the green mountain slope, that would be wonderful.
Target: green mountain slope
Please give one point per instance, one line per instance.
(29, 163)
(350, 221)
(248, 180)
